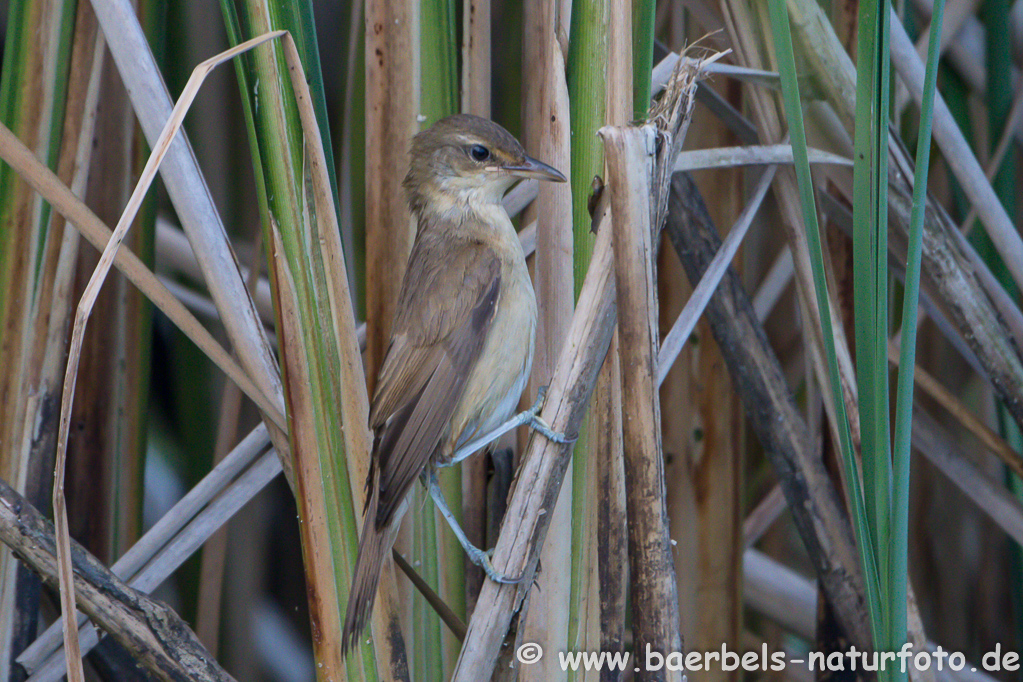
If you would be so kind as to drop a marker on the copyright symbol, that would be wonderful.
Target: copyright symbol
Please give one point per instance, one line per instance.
(529, 653)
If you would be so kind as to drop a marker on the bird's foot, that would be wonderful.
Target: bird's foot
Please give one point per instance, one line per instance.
(540, 426)
(482, 559)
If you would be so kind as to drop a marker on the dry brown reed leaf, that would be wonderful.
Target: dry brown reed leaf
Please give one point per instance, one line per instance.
(353, 408)
(77, 335)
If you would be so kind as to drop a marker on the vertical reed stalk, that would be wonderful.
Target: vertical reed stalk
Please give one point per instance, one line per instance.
(606, 413)
(214, 553)
(630, 153)
(436, 552)
(587, 76)
(327, 404)
(546, 622)
(809, 248)
(999, 95)
(644, 13)
(898, 567)
(476, 84)
(870, 267)
(352, 151)
(108, 454)
(392, 104)
(703, 425)
(33, 281)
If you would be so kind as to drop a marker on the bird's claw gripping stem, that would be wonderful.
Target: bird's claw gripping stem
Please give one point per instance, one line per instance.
(540, 426)
(482, 559)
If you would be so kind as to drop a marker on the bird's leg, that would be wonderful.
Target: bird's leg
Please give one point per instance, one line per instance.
(530, 416)
(476, 555)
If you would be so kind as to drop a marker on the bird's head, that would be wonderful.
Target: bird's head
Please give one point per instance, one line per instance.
(468, 159)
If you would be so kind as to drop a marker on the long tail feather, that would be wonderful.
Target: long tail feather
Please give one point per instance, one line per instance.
(374, 547)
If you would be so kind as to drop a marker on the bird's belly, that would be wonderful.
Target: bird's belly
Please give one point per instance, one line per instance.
(495, 384)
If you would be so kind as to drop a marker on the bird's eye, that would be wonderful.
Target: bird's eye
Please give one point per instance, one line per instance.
(479, 153)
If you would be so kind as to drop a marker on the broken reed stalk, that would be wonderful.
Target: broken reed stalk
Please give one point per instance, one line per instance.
(151, 631)
(815, 504)
(543, 467)
(655, 619)
(606, 408)
(612, 520)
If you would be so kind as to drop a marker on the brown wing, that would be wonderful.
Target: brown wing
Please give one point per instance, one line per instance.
(444, 312)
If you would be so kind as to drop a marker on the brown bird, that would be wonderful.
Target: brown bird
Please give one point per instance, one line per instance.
(462, 340)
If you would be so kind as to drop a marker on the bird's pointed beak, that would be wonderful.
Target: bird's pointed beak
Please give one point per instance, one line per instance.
(531, 168)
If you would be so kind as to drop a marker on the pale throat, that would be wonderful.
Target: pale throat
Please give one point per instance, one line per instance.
(457, 199)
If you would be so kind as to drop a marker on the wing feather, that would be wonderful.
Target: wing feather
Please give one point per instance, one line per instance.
(444, 312)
